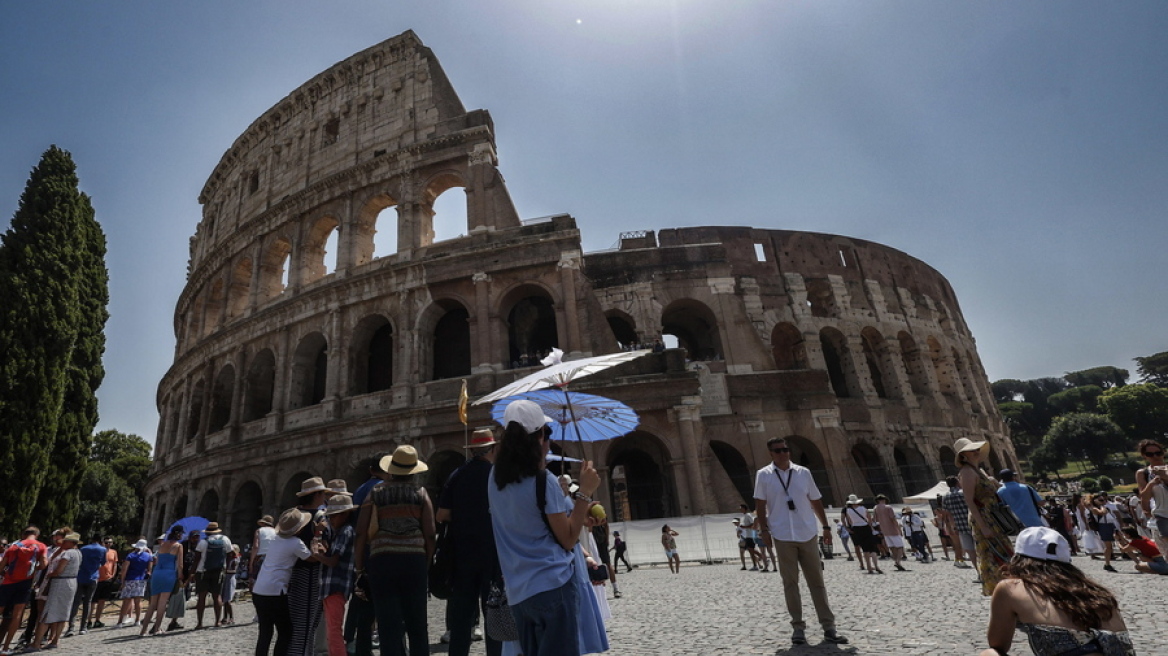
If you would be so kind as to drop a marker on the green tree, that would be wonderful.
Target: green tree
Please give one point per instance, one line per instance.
(1104, 377)
(83, 376)
(1154, 368)
(1141, 410)
(1044, 461)
(1076, 399)
(40, 255)
(1007, 389)
(1084, 435)
(112, 486)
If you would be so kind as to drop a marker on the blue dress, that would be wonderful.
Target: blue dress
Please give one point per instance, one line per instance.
(590, 625)
(165, 574)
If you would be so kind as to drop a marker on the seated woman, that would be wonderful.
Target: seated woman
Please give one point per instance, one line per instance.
(1062, 612)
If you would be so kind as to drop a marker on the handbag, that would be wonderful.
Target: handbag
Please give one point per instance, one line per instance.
(598, 574)
(499, 622)
(1000, 515)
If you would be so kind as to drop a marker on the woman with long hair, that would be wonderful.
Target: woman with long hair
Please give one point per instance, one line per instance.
(1106, 524)
(981, 495)
(164, 580)
(536, 529)
(1060, 610)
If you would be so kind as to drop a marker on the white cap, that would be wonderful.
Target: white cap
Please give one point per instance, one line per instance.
(1043, 543)
(528, 414)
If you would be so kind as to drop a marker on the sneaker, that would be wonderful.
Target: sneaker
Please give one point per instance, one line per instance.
(616, 594)
(834, 638)
(446, 638)
(98, 625)
(744, 568)
(764, 570)
(136, 623)
(477, 634)
(798, 637)
(69, 632)
(754, 569)
(83, 632)
(1109, 568)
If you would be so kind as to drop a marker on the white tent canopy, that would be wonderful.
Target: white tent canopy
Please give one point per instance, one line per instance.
(928, 495)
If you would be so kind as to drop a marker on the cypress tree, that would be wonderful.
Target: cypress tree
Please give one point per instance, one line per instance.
(41, 254)
(60, 498)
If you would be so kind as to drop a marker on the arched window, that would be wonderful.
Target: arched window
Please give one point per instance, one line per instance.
(695, 327)
(835, 350)
(623, 328)
(874, 352)
(213, 308)
(259, 386)
(375, 231)
(735, 466)
(872, 467)
(209, 505)
(239, 290)
(445, 197)
(246, 510)
(639, 466)
(320, 249)
(967, 382)
(221, 399)
(914, 469)
(913, 365)
(309, 371)
(531, 329)
(948, 461)
(942, 367)
(805, 453)
(275, 269)
(451, 345)
(195, 413)
(372, 355)
(787, 348)
(288, 498)
(820, 298)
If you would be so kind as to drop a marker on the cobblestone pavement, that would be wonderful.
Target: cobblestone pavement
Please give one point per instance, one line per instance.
(933, 610)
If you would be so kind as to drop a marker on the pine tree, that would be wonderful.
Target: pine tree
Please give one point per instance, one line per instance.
(41, 254)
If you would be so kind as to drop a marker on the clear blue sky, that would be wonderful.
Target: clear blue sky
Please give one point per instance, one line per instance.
(1019, 148)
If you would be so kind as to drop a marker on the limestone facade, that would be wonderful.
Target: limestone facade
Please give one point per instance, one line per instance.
(302, 349)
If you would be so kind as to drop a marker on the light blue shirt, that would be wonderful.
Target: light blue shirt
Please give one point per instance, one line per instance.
(1023, 500)
(530, 557)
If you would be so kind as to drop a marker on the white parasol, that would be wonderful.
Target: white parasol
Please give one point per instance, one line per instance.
(559, 374)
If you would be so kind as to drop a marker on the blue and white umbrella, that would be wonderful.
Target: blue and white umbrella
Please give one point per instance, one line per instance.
(592, 418)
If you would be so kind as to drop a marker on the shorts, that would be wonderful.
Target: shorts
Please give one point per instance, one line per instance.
(1107, 532)
(894, 541)
(749, 542)
(209, 581)
(968, 544)
(1159, 565)
(670, 554)
(106, 590)
(14, 594)
(862, 536)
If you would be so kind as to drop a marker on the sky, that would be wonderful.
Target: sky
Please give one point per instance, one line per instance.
(1018, 148)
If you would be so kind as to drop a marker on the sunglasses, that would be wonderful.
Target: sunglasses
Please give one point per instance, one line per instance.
(781, 450)
(1153, 454)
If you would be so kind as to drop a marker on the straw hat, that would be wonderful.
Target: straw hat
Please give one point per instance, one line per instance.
(266, 520)
(853, 499)
(482, 437)
(338, 504)
(213, 527)
(72, 537)
(339, 486)
(964, 445)
(291, 521)
(403, 462)
(312, 486)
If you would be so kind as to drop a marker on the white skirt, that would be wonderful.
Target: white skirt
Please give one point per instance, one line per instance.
(1091, 542)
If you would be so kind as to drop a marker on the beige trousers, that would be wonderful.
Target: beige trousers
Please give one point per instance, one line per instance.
(793, 556)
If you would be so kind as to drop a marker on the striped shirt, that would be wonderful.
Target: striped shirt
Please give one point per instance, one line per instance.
(397, 515)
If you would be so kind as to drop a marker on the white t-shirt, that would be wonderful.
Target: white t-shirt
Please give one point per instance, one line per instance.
(913, 523)
(282, 555)
(747, 523)
(202, 549)
(267, 535)
(796, 484)
(857, 515)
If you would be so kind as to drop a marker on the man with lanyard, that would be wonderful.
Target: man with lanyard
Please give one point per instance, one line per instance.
(788, 504)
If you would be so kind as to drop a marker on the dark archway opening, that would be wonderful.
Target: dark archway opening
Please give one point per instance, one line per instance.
(452, 344)
(805, 453)
(696, 329)
(221, 399)
(623, 330)
(833, 357)
(379, 361)
(787, 348)
(245, 512)
(875, 475)
(260, 385)
(309, 371)
(288, 498)
(531, 331)
(914, 470)
(442, 465)
(735, 466)
(948, 461)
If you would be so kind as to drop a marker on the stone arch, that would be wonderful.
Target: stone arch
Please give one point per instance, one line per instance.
(914, 366)
(948, 461)
(239, 290)
(375, 231)
(438, 201)
(209, 505)
(787, 347)
(532, 330)
(879, 363)
(821, 298)
(315, 255)
(309, 371)
(649, 489)
(942, 367)
(372, 355)
(868, 460)
(839, 366)
(736, 468)
(221, 394)
(213, 306)
(442, 465)
(288, 498)
(696, 328)
(624, 328)
(448, 345)
(246, 510)
(914, 469)
(195, 409)
(259, 386)
(275, 268)
(806, 453)
(180, 508)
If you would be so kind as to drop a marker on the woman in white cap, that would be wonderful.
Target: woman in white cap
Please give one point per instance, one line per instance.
(397, 524)
(981, 495)
(135, 570)
(536, 530)
(1061, 611)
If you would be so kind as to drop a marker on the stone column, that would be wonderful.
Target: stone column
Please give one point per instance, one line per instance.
(257, 266)
(677, 468)
(205, 407)
(898, 372)
(483, 346)
(687, 416)
(569, 264)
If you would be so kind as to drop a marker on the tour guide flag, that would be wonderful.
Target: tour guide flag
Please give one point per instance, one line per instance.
(462, 399)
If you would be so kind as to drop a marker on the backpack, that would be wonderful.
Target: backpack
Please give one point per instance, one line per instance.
(216, 555)
(22, 562)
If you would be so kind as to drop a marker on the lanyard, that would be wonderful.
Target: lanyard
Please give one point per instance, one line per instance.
(787, 483)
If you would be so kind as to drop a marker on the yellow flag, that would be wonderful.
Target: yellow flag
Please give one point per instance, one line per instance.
(462, 403)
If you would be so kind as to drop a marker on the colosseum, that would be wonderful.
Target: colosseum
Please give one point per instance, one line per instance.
(323, 322)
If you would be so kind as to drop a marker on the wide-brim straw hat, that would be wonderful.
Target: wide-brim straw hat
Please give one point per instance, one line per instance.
(853, 499)
(72, 537)
(964, 445)
(213, 527)
(312, 486)
(482, 437)
(291, 521)
(339, 503)
(403, 462)
(266, 520)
